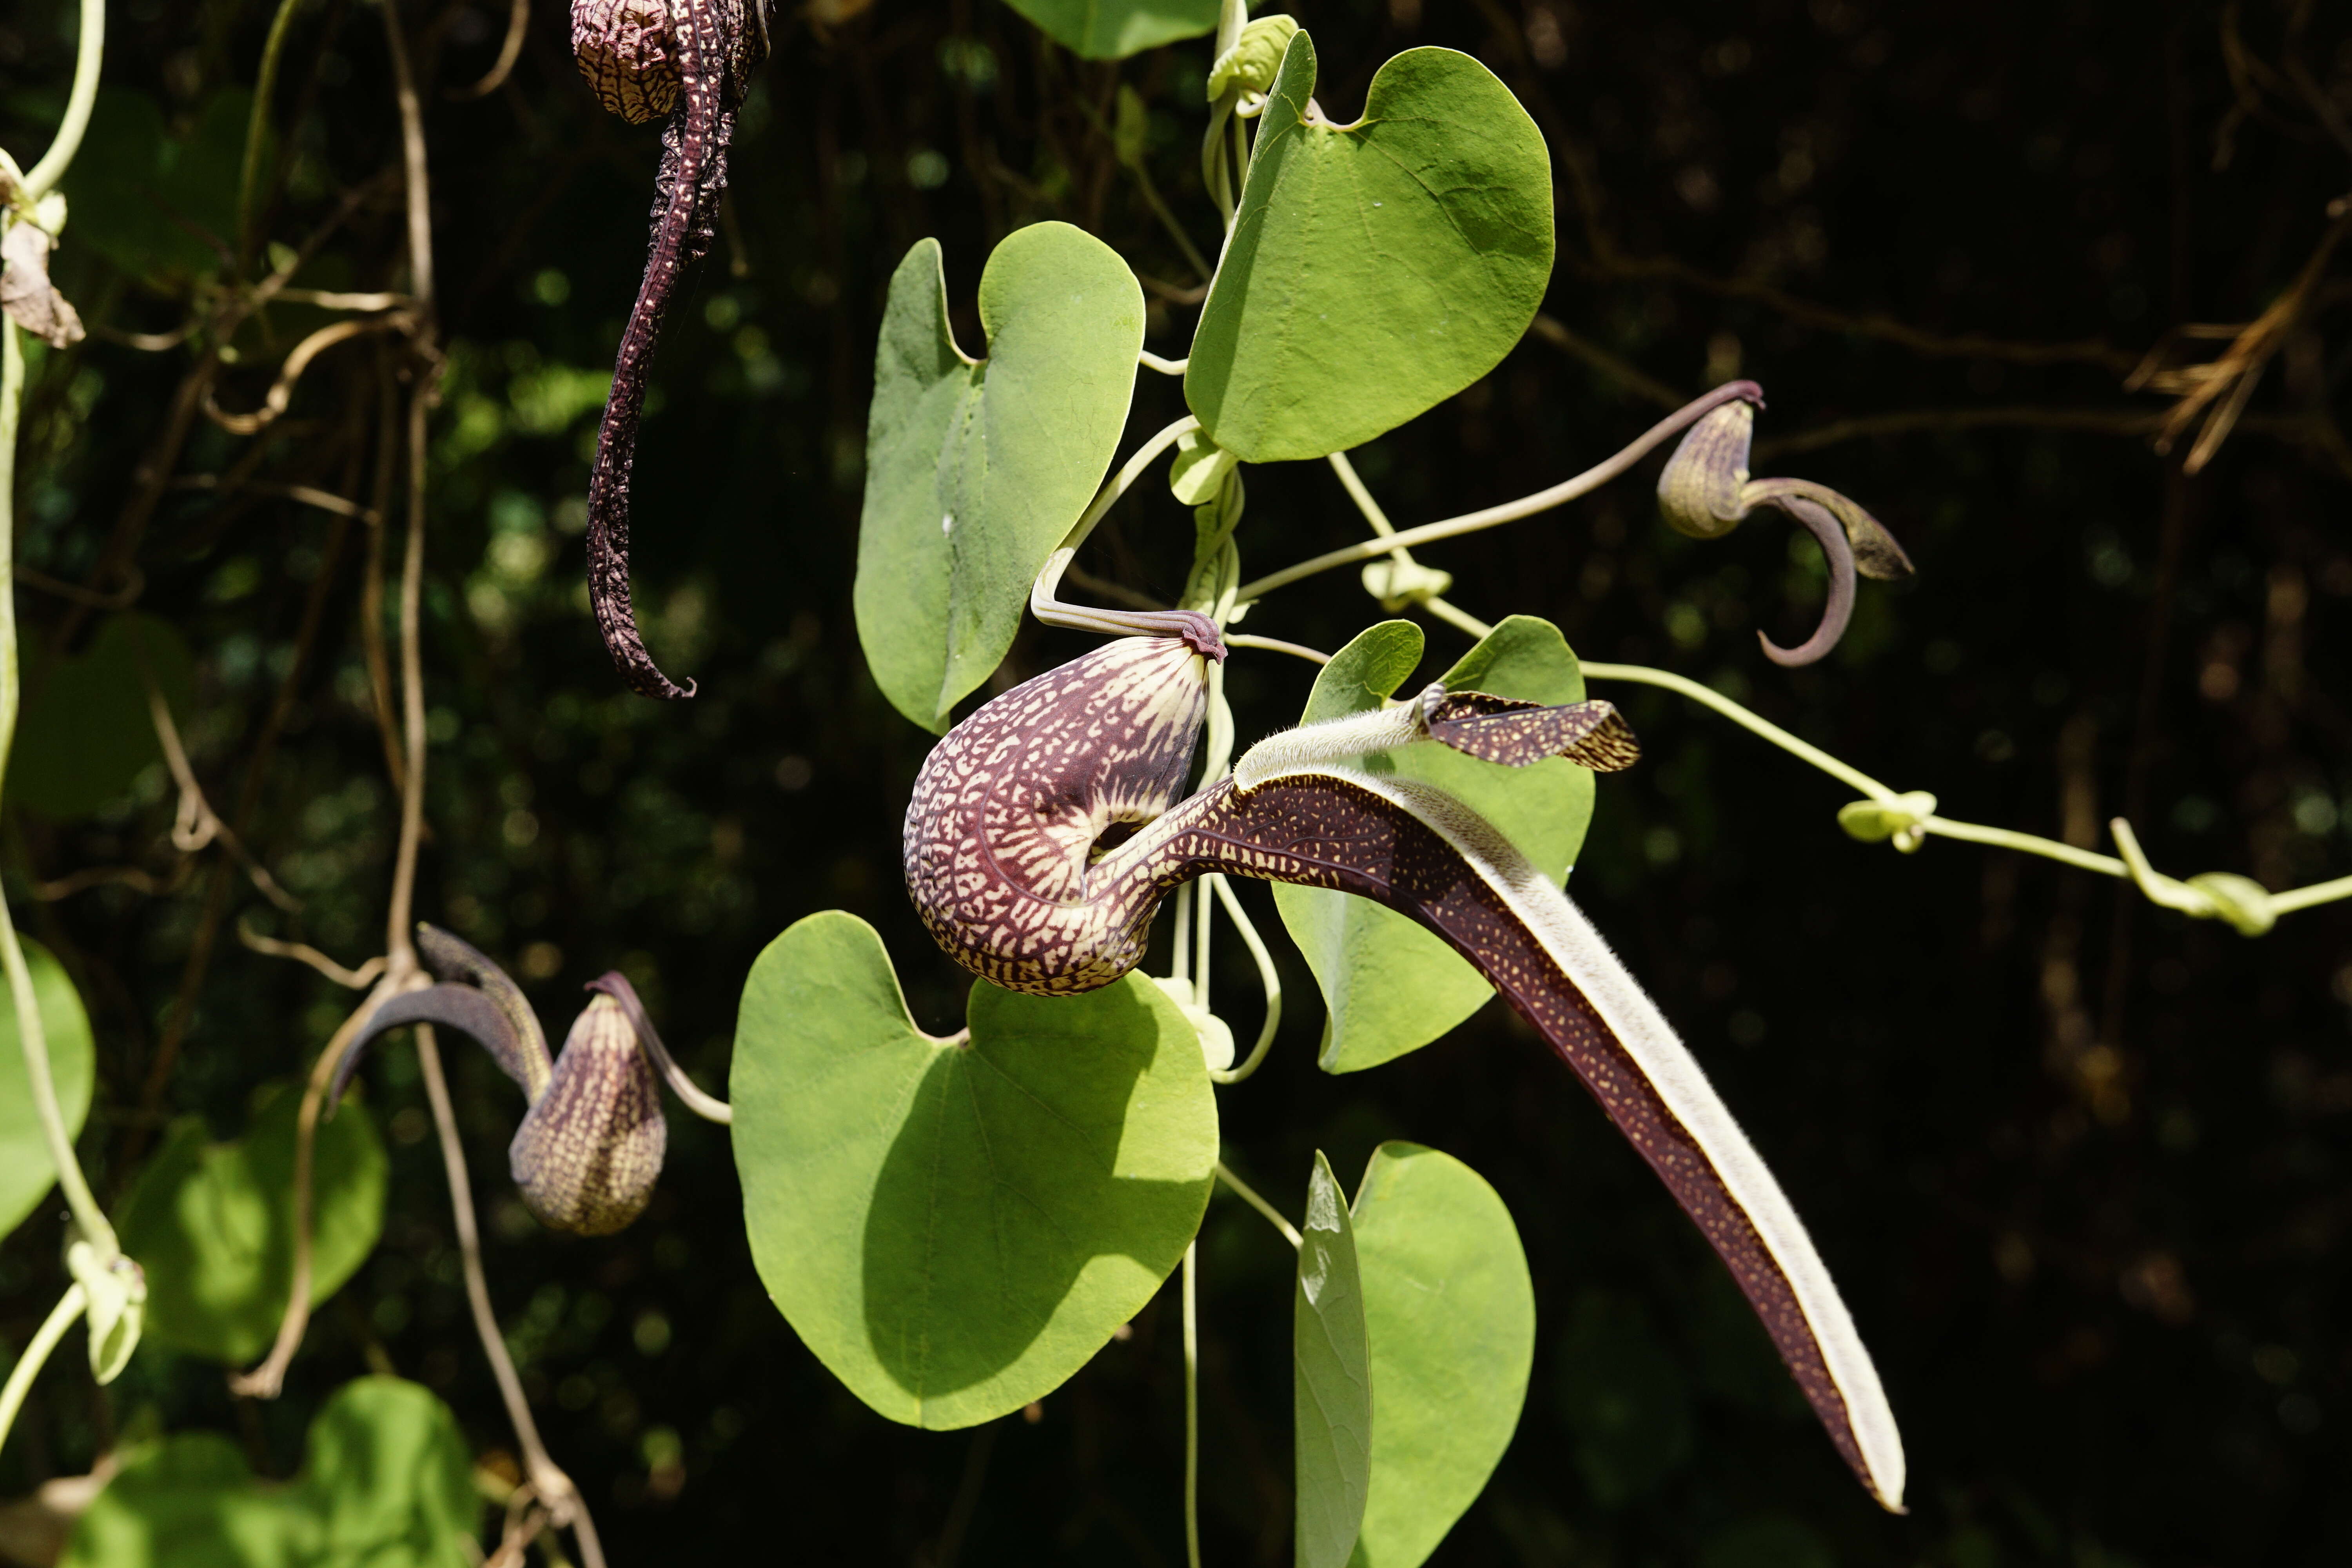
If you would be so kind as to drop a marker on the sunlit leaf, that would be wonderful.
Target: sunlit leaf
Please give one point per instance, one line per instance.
(954, 1229)
(976, 470)
(1390, 986)
(1450, 1314)
(213, 1224)
(1331, 1378)
(386, 1482)
(1377, 269)
(26, 1172)
(1113, 29)
(87, 730)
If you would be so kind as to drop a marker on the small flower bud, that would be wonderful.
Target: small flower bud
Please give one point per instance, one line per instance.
(1698, 490)
(1251, 63)
(589, 1151)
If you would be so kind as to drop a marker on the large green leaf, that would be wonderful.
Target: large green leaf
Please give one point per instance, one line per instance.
(386, 1482)
(975, 469)
(1390, 986)
(87, 729)
(213, 1223)
(1331, 1378)
(1451, 1316)
(1114, 29)
(1374, 269)
(954, 1228)
(26, 1172)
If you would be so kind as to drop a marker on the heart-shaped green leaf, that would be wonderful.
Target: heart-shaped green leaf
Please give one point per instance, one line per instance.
(1450, 1313)
(976, 470)
(386, 1482)
(1390, 986)
(26, 1172)
(1374, 269)
(87, 728)
(1331, 1378)
(213, 1224)
(955, 1226)
(1114, 29)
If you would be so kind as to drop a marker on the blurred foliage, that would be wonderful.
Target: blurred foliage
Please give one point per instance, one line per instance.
(2079, 1165)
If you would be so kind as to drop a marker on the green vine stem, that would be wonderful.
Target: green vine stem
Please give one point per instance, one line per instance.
(257, 123)
(44, 175)
(1266, 974)
(1251, 1197)
(1903, 819)
(1192, 1406)
(70, 1306)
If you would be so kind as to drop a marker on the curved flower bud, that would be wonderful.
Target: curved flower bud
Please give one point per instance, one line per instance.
(589, 1148)
(1705, 491)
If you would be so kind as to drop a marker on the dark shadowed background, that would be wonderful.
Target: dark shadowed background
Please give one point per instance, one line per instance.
(2079, 1165)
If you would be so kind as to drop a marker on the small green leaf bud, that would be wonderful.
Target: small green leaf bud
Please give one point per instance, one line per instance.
(1250, 64)
(115, 1297)
(1400, 584)
(1903, 820)
(1199, 468)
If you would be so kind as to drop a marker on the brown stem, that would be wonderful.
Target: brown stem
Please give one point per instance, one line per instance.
(269, 1379)
(554, 1487)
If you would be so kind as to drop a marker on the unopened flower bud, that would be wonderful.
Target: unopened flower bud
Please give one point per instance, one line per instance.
(1251, 63)
(589, 1151)
(1698, 490)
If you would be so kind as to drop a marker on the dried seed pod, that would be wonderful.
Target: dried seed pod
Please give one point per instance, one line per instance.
(589, 1148)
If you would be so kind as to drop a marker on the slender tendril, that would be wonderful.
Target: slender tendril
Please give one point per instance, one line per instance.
(1567, 491)
(90, 1219)
(1249, 1195)
(42, 176)
(1266, 974)
(61, 1317)
(1191, 1407)
(257, 123)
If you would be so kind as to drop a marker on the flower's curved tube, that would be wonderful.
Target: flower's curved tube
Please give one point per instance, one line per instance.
(689, 59)
(1016, 864)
